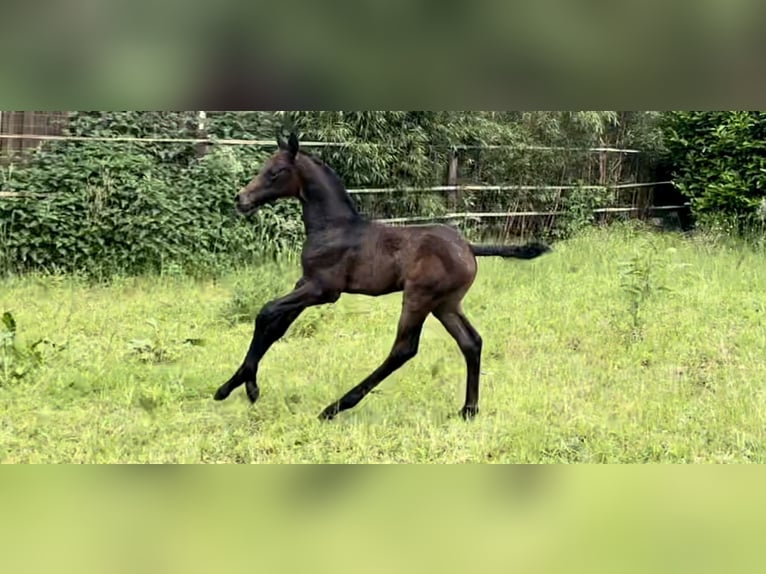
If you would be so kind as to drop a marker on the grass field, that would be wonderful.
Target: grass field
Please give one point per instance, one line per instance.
(586, 359)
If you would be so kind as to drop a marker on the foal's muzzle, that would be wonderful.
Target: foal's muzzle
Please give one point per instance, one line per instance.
(242, 207)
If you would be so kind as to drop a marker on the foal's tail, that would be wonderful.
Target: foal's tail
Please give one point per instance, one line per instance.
(528, 251)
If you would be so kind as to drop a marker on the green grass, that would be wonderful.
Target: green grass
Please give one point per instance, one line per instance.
(591, 354)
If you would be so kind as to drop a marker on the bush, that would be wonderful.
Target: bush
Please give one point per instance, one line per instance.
(134, 211)
(719, 161)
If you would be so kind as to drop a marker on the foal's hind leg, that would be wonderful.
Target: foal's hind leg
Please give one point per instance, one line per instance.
(470, 343)
(405, 348)
(272, 323)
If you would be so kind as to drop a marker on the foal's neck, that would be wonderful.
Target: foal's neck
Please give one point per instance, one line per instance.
(326, 203)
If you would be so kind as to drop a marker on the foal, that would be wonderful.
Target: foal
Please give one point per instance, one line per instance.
(346, 253)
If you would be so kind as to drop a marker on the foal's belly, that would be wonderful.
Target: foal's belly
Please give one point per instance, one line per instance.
(373, 277)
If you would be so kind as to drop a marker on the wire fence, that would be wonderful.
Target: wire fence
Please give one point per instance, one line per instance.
(21, 131)
(263, 143)
(17, 127)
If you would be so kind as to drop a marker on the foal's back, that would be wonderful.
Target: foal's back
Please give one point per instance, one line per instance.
(390, 258)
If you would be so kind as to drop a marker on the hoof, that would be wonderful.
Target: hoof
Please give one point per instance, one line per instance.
(221, 394)
(329, 413)
(469, 413)
(253, 393)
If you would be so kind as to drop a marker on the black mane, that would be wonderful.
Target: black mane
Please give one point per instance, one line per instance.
(335, 181)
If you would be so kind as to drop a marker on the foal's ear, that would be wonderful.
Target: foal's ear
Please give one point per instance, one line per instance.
(281, 143)
(293, 145)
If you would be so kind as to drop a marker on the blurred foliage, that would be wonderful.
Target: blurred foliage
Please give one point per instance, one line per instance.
(132, 207)
(719, 161)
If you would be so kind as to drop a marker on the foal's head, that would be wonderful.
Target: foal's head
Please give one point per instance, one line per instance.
(278, 178)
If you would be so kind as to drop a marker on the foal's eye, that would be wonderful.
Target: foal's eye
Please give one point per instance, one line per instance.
(277, 174)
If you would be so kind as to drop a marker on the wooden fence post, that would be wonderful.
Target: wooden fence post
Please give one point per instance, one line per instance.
(201, 149)
(452, 177)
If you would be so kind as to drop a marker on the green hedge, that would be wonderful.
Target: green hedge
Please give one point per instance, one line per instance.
(719, 161)
(133, 208)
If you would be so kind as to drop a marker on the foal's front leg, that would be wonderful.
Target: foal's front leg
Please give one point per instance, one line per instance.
(272, 323)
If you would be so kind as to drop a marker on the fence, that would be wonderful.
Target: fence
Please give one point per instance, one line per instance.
(24, 130)
(35, 124)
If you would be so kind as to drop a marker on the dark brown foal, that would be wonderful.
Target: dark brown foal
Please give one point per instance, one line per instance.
(433, 265)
